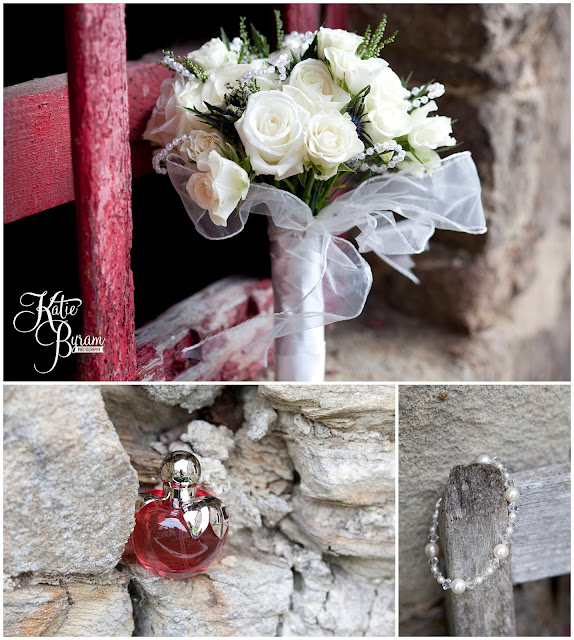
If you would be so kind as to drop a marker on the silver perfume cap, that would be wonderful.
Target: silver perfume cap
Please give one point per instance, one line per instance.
(180, 469)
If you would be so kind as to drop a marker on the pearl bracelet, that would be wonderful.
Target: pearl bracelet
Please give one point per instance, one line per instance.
(500, 551)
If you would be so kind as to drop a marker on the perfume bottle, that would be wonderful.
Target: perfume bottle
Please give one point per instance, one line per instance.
(181, 531)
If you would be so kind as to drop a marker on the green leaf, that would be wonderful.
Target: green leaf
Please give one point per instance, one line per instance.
(224, 38)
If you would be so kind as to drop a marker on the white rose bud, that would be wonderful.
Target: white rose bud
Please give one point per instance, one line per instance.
(212, 54)
(271, 130)
(219, 186)
(351, 70)
(388, 121)
(331, 139)
(433, 132)
(312, 79)
(338, 39)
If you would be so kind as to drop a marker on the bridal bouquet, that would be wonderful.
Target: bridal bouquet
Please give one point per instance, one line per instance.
(321, 136)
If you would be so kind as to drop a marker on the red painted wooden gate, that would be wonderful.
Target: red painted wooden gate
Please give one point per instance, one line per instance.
(82, 134)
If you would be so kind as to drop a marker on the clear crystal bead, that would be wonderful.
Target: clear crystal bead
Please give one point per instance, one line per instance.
(433, 537)
(485, 576)
(513, 507)
(510, 524)
(446, 584)
(435, 521)
(494, 563)
(470, 584)
(506, 539)
(495, 460)
(433, 562)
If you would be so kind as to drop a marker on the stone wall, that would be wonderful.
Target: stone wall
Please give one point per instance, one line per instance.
(527, 427)
(506, 68)
(307, 474)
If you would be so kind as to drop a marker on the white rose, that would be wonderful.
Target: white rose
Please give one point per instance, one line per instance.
(331, 139)
(200, 144)
(272, 132)
(337, 38)
(214, 89)
(219, 186)
(433, 132)
(386, 86)
(169, 120)
(351, 70)
(212, 54)
(388, 121)
(313, 80)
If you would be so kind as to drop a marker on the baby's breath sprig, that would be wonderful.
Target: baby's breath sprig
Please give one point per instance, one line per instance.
(429, 91)
(183, 65)
(372, 46)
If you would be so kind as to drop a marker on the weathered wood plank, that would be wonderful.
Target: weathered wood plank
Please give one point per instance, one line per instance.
(224, 304)
(472, 518)
(336, 16)
(302, 17)
(37, 146)
(541, 546)
(99, 120)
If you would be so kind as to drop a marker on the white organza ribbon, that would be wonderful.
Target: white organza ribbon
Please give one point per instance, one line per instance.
(319, 278)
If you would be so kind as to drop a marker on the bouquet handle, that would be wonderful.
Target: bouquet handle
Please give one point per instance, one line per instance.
(297, 274)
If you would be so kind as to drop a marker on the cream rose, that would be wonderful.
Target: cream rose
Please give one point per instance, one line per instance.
(312, 79)
(200, 144)
(432, 132)
(349, 69)
(272, 132)
(331, 139)
(212, 54)
(338, 39)
(219, 186)
(169, 120)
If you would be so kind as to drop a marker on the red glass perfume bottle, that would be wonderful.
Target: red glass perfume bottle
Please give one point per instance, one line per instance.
(181, 532)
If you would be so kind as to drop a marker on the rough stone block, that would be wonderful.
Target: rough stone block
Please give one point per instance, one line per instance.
(81, 500)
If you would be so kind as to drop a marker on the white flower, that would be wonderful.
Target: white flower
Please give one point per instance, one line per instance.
(433, 132)
(313, 80)
(218, 186)
(212, 54)
(331, 139)
(386, 87)
(351, 70)
(430, 160)
(388, 121)
(338, 39)
(214, 90)
(200, 144)
(169, 120)
(271, 130)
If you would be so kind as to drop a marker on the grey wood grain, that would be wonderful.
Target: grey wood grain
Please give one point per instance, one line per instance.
(472, 518)
(541, 546)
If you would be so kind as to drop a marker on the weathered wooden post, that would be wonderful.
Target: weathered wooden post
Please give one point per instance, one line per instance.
(472, 517)
(99, 119)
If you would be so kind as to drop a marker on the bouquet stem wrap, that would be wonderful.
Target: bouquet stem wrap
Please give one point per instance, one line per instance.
(297, 274)
(320, 278)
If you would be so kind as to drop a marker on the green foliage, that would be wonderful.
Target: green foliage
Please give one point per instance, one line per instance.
(258, 48)
(280, 33)
(312, 49)
(187, 64)
(372, 45)
(224, 38)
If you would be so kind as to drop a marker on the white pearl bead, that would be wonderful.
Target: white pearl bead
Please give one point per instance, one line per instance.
(509, 531)
(484, 459)
(512, 494)
(506, 475)
(501, 551)
(512, 517)
(432, 529)
(490, 571)
(440, 579)
(432, 549)
(478, 580)
(458, 585)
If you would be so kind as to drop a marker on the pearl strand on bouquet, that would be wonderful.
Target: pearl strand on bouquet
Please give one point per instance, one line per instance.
(500, 551)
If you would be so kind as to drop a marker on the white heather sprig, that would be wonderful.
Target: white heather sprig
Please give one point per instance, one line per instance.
(398, 155)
